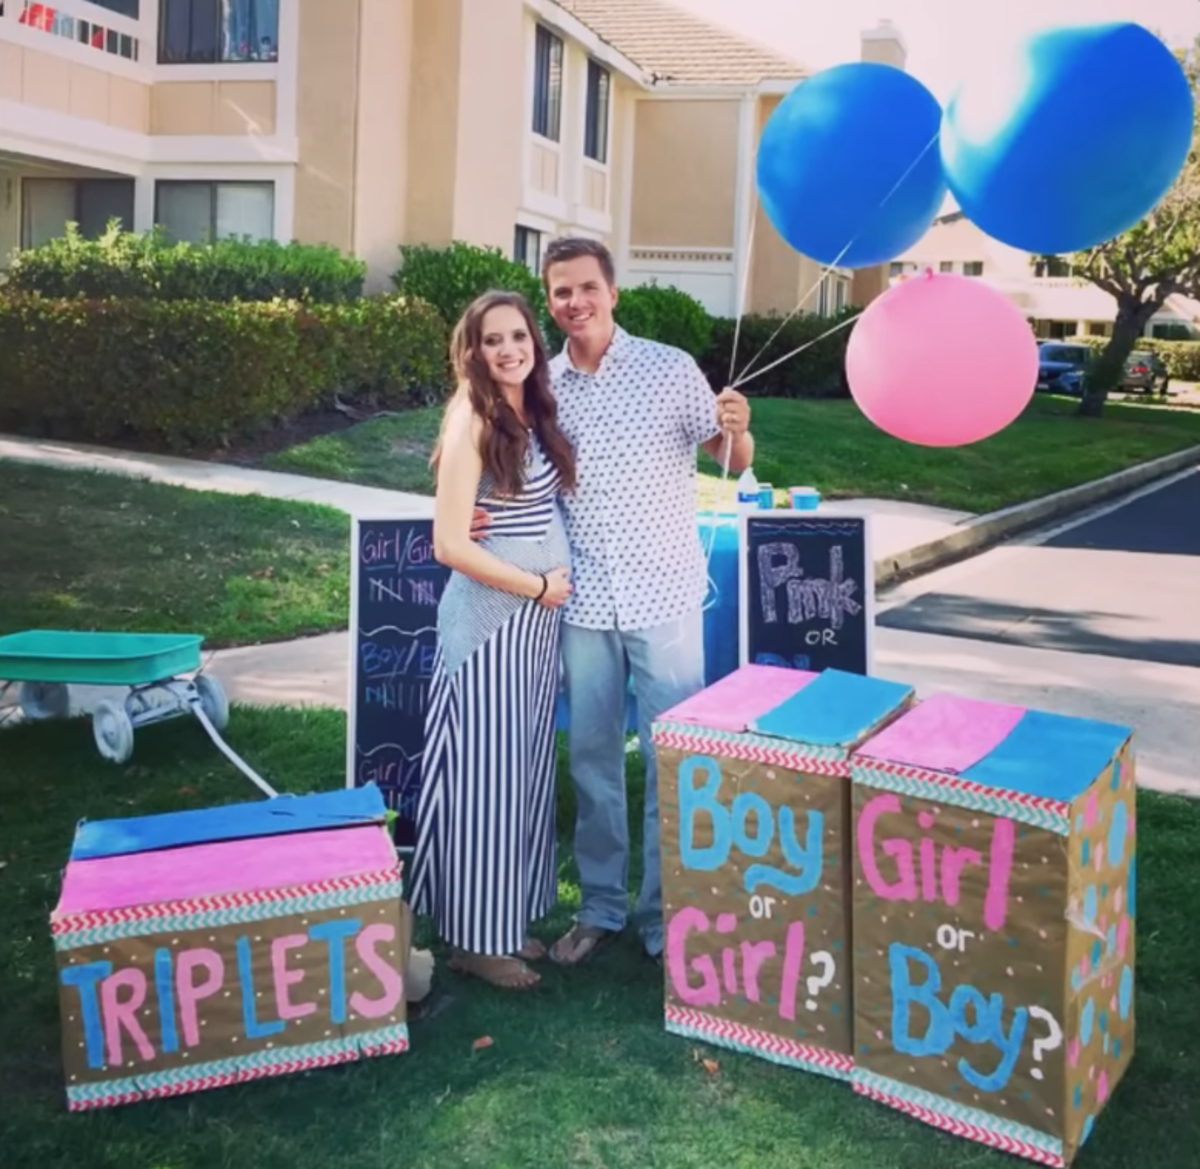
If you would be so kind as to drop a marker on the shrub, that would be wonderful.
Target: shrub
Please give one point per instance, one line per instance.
(1182, 358)
(183, 373)
(385, 352)
(144, 265)
(667, 315)
(817, 372)
(450, 278)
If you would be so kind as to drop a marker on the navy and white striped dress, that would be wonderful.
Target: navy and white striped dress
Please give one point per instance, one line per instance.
(484, 865)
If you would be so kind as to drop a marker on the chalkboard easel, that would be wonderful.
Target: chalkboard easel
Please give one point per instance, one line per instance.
(807, 591)
(395, 587)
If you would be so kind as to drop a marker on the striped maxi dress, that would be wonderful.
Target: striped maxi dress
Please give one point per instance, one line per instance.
(484, 865)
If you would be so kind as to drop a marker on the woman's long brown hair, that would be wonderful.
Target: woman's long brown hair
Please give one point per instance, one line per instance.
(503, 441)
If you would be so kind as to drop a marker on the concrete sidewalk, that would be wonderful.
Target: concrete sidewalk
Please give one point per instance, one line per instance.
(221, 477)
(1159, 701)
(897, 527)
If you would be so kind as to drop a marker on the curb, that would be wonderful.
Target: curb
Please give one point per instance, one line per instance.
(985, 530)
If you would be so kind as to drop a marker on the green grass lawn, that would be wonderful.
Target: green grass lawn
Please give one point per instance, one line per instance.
(831, 446)
(80, 550)
(580, 1073)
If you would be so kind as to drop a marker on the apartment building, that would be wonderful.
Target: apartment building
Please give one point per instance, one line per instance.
(369, 123)
(1056, 302)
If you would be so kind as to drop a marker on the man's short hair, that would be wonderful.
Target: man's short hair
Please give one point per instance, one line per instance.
(572, 247)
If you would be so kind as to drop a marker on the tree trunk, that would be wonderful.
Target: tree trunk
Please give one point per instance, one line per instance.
(1108, 370)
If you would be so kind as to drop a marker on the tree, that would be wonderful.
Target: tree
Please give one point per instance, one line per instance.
(1155, 259)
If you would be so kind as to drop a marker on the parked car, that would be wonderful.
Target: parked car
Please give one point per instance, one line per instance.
(1145, 371)
(1061, 367)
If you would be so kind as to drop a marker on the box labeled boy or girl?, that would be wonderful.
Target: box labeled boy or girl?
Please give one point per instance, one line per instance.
(994, 919)
(755, 801)
(206, 948)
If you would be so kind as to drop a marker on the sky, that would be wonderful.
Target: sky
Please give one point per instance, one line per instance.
(943, 37)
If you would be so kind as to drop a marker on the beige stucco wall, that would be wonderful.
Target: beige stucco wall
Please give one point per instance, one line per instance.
(212, 107)
(620, 160)
(385, 99)
(65, 87)
(492, 122)
(685, 174)
(433, 129)
(326, 115)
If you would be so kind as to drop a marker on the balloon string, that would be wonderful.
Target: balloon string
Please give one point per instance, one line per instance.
(744, 286)
(836, 261)
(800, 349)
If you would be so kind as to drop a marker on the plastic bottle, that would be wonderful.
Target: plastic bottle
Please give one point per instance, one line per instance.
(747, 491)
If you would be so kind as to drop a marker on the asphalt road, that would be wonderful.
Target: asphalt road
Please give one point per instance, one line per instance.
(1122, 581)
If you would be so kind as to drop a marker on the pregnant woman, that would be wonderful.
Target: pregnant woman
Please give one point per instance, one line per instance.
(484, 865)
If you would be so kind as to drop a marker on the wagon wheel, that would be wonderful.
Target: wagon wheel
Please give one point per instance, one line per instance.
(113, 731)
(213, 701)
(40, 700)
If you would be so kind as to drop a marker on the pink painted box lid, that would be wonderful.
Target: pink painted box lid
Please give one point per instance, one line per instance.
(735, 701)
(228, 866)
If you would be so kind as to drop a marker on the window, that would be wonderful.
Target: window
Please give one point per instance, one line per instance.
(840, 299)
(527, 248)
(1054, 266)
(121, 7)
(895, 268)
(547, 84)
(972, 267)
(48, 205)
(946, 266)
(198, 212)
(595, 131)
(198, 31)
(1098, 329)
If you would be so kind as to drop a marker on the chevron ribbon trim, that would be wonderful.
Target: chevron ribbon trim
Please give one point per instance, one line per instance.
(971, 1123)
(757, 748)
(722, 1032)
(1052, 815)
(71, 931)
(239, 1069)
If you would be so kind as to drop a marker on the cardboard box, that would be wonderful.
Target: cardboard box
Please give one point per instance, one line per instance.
(207, 948)
(755, 804)
(994, 910)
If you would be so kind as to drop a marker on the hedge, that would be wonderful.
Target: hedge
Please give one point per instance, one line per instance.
(184, 373)
(817, 372)
(144, 265)
(1182, 358)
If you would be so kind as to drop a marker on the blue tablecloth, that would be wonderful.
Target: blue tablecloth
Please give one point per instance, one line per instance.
(720, 609)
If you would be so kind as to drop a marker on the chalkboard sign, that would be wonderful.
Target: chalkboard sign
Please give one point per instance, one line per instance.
(807, 591)
(395, 586)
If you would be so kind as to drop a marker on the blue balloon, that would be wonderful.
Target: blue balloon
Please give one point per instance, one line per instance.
(848, 167)
(1069, 137)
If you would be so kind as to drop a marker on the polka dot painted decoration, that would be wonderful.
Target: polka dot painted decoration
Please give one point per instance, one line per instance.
(1005, 1010)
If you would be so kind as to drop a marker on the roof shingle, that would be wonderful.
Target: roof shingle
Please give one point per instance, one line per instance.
(676, 46)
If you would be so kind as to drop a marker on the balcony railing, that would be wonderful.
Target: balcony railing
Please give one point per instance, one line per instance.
(75, 20)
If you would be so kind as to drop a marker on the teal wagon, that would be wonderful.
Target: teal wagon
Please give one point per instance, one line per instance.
(45, 663)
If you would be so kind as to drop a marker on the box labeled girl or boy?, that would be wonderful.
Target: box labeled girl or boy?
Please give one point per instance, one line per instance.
(207, 948)
(754, 798)
(994, 911)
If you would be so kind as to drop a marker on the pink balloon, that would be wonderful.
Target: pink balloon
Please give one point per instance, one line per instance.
(942, 360)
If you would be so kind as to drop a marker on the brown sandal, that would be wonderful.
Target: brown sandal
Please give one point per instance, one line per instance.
(580, 943)
(505, 973)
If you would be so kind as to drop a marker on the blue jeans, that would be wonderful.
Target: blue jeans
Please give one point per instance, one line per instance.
(667, 664)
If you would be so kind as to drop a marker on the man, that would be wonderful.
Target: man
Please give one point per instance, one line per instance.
(635, 412)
